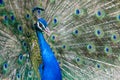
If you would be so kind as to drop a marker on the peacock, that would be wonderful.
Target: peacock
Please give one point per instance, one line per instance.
(49, 69)
(59, 39)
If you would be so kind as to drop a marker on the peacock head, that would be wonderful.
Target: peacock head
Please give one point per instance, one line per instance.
(43, 26)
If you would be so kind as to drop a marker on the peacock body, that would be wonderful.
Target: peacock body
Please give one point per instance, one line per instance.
(84, 39)
(49, 69)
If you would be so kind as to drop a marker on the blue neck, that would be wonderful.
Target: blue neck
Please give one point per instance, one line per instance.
(41, 40)
(51, 67)
(46, 51)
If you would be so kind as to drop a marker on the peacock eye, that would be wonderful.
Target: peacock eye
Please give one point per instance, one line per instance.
(77, 11)
(5, 65)
(99, 13)
(24, 44)
(55, 21)
(5, 17)
(40, 24)
(27, 15)
(12, 17)
(1, 1)
(38, 11)
(18, 76)
(21, 57)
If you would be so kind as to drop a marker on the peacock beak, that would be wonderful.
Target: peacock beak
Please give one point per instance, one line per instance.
(47, 31)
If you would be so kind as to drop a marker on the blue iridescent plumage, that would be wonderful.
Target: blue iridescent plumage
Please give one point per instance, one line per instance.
(49, 69)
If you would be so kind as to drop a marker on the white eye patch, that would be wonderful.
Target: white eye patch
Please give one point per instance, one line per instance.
(40, 26)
